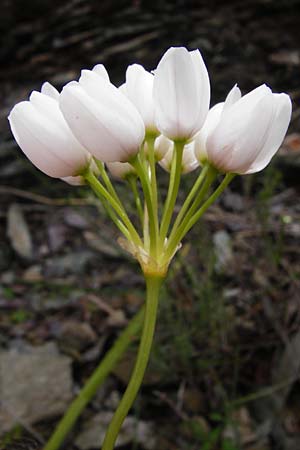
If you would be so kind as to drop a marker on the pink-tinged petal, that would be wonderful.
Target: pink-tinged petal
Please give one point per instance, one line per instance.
(178, 94)
(277, 131)
(249, 101)
(233, 96)
(166, 161)
(241, 132)
(49, 109)
(212, 120)
(139, 89)
(74, 181)
(107, 134)
(203, 87)
(111, 98)
(120, 170)
(50, 90)
(254, 136)
(189, 161)
(44, 142)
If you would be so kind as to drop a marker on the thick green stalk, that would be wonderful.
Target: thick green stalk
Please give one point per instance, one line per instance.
(172, 191)
(153, 283)
(97, 378)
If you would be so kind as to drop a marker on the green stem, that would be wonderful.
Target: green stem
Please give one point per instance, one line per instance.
(174, 238)
(132, 180)
(187, 225)
(111, 213)
(172, 190)
(190, 197)
(152, 163)
(101, 192)
(144, 178)
(153, 284)
(99, 375)
(107, 181)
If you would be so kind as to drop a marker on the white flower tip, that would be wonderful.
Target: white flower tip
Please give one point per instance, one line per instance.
(51, 91)
(99, 69)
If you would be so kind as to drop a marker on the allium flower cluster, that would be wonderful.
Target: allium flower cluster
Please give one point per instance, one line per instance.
(154, 117)
(62, 132)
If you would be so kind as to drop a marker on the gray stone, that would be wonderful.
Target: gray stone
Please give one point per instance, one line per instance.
(72, 263)
(35, 384)
(133, 430)
(223, 250)
(18, 232)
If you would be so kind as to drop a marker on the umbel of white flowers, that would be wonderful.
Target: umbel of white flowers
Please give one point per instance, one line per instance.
(62, 132)
(160, 117)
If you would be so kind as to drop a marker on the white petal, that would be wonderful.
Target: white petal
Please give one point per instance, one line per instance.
(100, 70)
(120, 170)
(233, 96)
(139, 89)
(166, 161)
(241, 132)
(176, 94)
(44, 143)
(161, 146)
(50, 90)
(203, 86)
(105, 132)
(74, 181)
(111, 98)
(277, 132)
(189, 161)
(210, 124)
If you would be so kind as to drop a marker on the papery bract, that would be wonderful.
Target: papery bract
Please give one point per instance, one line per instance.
(102, 118)
(44, 136)
(181, 93)
(139, 89)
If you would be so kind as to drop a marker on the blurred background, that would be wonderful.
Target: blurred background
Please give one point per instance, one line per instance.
(225, 364)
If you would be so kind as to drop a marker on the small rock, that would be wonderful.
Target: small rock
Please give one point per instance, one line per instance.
(76, 336)
(112, 401)
(33, 273)
(57, 235)
(74, 219)
(8, 277)
(133, 429)
(105, 246)
(223, 250)
(233, 201)
(73, 262)
(18, 232)
(35, 384)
